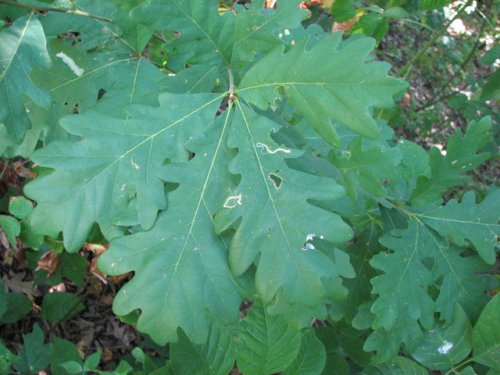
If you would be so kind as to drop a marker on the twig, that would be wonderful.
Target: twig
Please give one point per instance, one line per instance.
(3, 170)
(440, 95)
(59, 10)
(232, 96)
(406, 69)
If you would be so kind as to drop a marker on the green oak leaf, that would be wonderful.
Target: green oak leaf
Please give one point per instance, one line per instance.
(260, 30)
(272, 214)
(91, 33)
(81, 80)
(318, 86)
(215, 357)
(60, 306)
(7, 358)
(11, 227)
(486, 336)
(415, 161)
(462, 155)
(311, 357)
(134, 34)
(420, 263)
(18, 306)
(182, 278)
(35, 354)
(336, 362)
(368, 169)
(20, 207)
(63, 351)
(23, 48)
(444, 346)
(93, 65)
(114, 165)
(398, 366)
(359, 287)
(266, 343)
(478, 223)
(204, 36)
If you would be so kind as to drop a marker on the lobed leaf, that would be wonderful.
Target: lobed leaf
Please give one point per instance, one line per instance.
(367, 168)
(181, 273)
(479, 223)
(97, 180)
(204, 36)
(319, 86)
(311, 357)
(35, 354)
(272, 214)
(462, 155)
(422, 273)
(445, 346)
(216, 356)
(23, 48)
(267, 344)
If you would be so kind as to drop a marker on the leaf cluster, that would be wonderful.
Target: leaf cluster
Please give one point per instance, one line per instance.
(230, 155)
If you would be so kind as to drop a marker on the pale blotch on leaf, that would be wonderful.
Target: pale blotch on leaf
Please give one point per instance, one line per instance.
(307, 244)
(445, 348)
(134, 165)
(71, 64)
(233, 201)
(267, 150)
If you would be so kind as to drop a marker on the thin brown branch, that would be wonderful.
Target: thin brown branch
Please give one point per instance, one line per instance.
(58, 10)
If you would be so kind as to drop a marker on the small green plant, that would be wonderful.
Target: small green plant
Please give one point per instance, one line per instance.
(231, 158)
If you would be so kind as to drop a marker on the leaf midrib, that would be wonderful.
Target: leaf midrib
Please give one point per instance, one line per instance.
(270, 196)
(151, 137)
(195, 215)
(28, 22)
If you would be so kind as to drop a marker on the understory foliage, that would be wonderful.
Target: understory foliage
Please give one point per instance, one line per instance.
(235, 162)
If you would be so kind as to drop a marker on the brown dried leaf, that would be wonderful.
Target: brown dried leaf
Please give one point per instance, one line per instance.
(3, 240)
(270, 4)
(22, 171)
(49, 262)
(95, 271)
(347, 25)
(19, 285)
(97, 249)
(107, 355)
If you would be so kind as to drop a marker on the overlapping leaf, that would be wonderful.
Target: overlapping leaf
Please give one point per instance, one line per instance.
(267, 344)
(367, 169)
(216, 356)
(204, 36)
(319, 87)
(115, 165)
(486, 336)
(443, 347)
(181, 262)
(23, 48)
(311, 358)
(398, 366)
(111, 171)
(278, 220)
(463, 153)
(420, 262)
(479, 223)
(93, 66)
